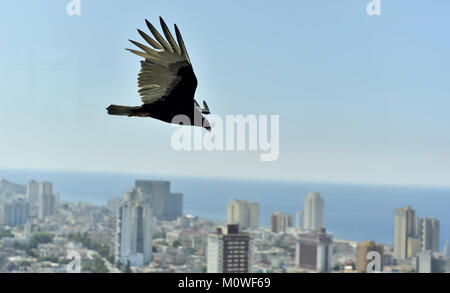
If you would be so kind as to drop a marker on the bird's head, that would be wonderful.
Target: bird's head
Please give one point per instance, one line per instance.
(206, 124)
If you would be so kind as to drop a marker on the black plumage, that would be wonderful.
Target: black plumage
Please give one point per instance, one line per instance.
(167, 81)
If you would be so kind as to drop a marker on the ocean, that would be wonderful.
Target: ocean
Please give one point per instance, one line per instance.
(352, 211)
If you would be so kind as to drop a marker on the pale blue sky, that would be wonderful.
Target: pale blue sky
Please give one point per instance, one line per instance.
(360, 98)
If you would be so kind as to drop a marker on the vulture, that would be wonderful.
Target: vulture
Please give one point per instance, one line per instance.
(166, 82)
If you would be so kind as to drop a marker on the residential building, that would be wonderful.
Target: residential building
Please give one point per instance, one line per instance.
(299, 219)
(314, 251)
(47, 200)
(15, 213)
(430, 234)
(243, 213)
(230, 251)
(134, 229)
(165, 205)
(404, 228)
(446, 250)
(280, 222)
(33, 192)
(313, 212)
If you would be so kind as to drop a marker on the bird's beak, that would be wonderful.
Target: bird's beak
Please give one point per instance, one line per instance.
(206, 125)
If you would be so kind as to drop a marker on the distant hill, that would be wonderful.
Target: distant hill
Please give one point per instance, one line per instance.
(8, 188)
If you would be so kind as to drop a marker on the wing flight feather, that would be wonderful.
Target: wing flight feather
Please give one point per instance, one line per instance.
(160, 70)
(169, 37)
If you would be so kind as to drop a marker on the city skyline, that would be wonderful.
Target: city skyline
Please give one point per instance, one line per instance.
(242, 212)
(140, 215)
(368, 200)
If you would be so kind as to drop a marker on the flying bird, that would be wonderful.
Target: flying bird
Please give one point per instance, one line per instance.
(166, 82)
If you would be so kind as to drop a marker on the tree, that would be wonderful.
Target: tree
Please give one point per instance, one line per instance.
(103, 250)
(97, 265)
(128, 268)
(6, 234)
(40, 237)
(119, 264)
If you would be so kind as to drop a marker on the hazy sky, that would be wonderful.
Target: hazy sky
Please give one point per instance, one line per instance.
(360, 98)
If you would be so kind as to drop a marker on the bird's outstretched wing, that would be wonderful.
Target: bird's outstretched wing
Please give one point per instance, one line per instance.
(166, 73)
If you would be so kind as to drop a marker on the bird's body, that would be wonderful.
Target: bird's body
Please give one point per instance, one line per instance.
(167, 81)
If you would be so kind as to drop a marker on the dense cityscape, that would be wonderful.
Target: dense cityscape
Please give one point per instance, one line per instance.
(146, 231)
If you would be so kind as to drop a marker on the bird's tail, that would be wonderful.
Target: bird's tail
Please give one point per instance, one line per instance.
(121, 110)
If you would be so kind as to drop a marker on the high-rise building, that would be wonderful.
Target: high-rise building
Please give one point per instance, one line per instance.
(47, 200)
(15, 213)
(46, 205)
(430, 234)
(414, 246)
(424, 262)
(243, 213)
(46, 188)
(404, 228)
(33, 191)
(280, 222)
(418, 229)
(254, 215)
(313, 212)
(28, 229)
(166, 205)
(430, 262)
(446, 251)
(314, 251)
(363, 250)
(134, 229)
(231, 252)
(413, 234)
(299, 220)
(113, 204)
(174, 206)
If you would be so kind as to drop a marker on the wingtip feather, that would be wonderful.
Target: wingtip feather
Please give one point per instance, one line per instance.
(169, 36)
(158, 37)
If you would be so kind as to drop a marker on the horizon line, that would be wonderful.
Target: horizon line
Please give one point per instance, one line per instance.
(232, 178)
